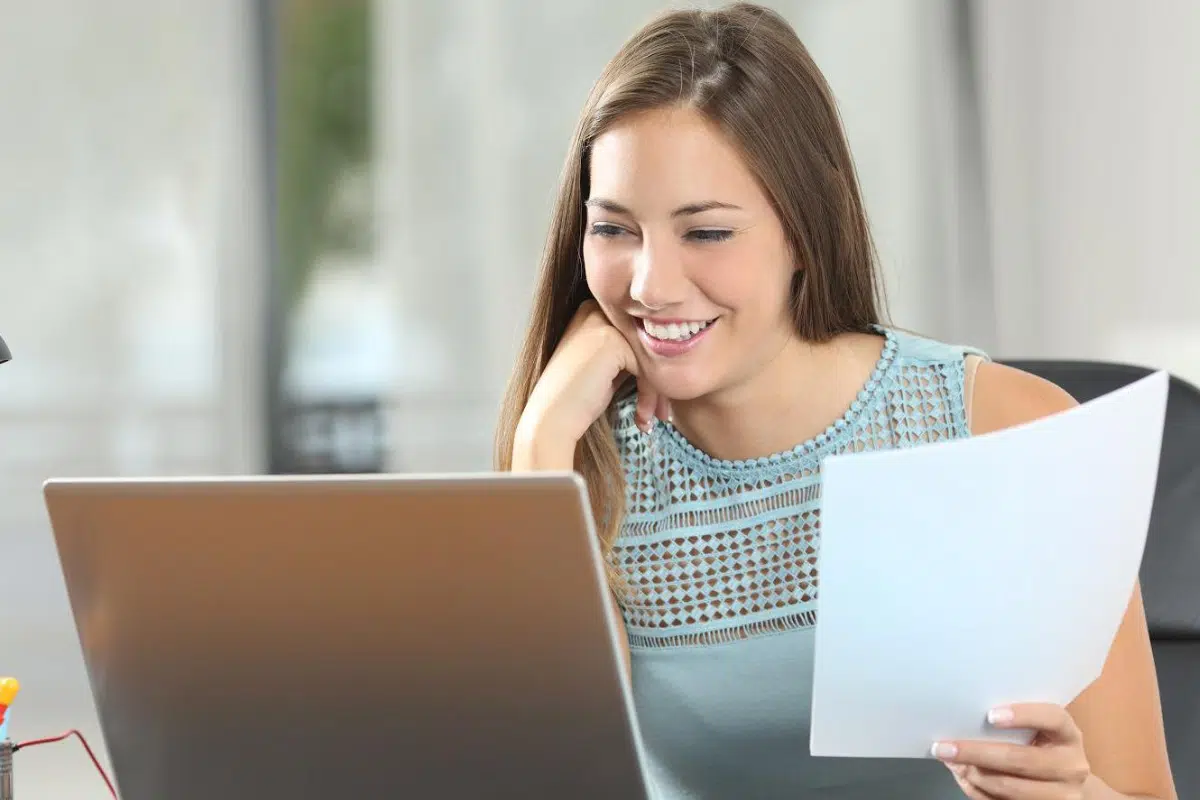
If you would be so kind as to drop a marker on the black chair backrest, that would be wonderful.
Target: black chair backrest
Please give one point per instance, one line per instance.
(1170, 573)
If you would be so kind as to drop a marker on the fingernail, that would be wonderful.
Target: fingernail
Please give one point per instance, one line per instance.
(1000, 715)
(944, 750)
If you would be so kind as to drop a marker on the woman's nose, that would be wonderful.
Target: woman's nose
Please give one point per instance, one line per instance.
(658, 277)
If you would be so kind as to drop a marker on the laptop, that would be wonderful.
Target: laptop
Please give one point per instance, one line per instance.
(350, 637)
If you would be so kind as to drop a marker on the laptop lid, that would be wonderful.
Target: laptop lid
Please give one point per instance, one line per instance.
(317, 637)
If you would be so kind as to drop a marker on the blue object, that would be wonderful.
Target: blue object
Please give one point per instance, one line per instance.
(720, 558)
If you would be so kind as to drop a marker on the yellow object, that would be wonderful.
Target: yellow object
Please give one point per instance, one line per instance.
(8, 690)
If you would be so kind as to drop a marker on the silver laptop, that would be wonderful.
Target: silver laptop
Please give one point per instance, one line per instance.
(356, 637)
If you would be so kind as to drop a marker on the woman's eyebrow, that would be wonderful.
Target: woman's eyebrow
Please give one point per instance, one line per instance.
(612, 206)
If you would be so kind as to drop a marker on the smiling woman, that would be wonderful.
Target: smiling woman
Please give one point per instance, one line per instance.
(705, 332)
(685, 261)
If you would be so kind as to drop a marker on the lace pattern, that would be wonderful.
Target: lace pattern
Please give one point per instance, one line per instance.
(713, 551)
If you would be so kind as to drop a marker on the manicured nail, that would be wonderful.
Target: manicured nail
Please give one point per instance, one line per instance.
(1001, 715)
(944, 750)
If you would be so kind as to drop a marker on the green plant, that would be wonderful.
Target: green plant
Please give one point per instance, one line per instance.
(324, 131)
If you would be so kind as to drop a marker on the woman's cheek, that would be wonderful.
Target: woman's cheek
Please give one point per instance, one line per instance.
(606, 278)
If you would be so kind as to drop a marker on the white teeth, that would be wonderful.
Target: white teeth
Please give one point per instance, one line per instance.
(674, 332)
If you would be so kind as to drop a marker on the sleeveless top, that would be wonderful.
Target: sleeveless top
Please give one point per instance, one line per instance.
(720, 562)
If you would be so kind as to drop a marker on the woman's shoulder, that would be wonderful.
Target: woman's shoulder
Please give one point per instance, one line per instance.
(1005, 397)
(1001, 396)
(916, 347)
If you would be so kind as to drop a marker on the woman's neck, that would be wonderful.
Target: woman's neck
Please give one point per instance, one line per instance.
(794, 397)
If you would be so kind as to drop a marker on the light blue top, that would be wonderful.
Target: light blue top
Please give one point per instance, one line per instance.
(720, 558)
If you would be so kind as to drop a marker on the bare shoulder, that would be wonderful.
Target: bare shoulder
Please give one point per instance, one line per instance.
(1005, 396)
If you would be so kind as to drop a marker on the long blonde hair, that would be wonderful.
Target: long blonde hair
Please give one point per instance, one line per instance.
(744, 68)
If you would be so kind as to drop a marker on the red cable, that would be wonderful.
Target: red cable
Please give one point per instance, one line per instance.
(86, 746)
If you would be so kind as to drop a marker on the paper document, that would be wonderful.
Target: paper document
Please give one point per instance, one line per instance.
(958, 576)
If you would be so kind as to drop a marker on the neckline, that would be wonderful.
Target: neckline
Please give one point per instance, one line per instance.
(808, 449)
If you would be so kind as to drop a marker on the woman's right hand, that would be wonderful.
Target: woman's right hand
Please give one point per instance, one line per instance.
(577, 386)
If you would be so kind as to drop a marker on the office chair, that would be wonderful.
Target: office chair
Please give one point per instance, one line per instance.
(1170, 572)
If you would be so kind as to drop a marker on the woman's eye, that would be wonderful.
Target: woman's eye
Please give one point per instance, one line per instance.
(709, 235)
(606, 230)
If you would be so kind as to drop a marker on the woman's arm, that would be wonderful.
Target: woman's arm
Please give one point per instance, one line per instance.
(1120, 714)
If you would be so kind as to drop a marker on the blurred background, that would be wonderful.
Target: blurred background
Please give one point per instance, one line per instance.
(246, 236)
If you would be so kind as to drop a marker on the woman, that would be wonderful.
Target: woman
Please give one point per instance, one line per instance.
(705, 331)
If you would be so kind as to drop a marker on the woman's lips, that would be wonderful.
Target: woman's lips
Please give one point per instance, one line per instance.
(673, 347)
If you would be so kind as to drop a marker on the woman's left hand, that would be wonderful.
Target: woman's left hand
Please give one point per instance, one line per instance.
(1053, 767)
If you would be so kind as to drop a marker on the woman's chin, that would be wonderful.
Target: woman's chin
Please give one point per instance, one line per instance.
(680, 386)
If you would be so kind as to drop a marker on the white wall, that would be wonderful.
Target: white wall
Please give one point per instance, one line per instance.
(1093, 119)
(129, 256)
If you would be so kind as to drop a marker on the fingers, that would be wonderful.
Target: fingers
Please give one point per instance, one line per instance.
(1009, 787)
(969, 789)
(650, 403)
(662, 409)
(1054, 767)
(1054, 723)
(647, 405)
(1024, 761)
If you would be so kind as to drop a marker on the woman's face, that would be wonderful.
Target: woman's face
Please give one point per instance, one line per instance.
(685, 254)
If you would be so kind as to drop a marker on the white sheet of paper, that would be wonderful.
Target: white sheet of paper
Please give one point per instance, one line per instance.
(961, 575)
